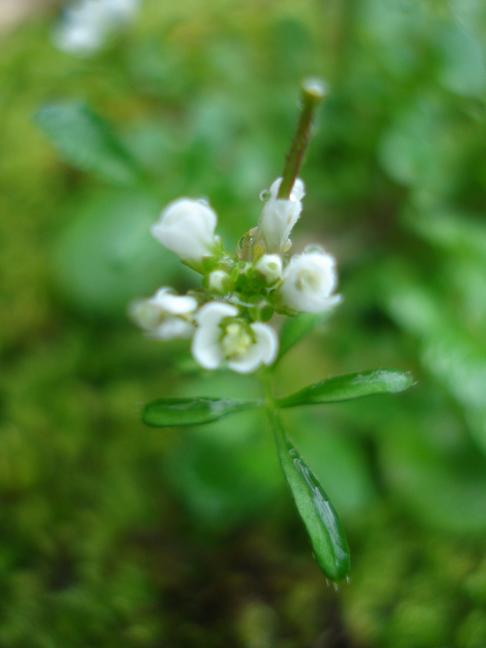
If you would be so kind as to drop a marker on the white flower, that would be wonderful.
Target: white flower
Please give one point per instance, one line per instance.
(222, 338)
(165, 315)
(186, 227)
(280, 215)
(218, 281)
(270, 265)
(121, 10)
(309, 281)
(87, 23)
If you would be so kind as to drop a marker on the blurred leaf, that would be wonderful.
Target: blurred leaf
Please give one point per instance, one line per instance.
(445, 490)
(448, 350)
(317, 513)
(458, 233)
(419, 149)
(350, 386)
(464, 61)
(174, 412)
(87, 141)
(105, 256)
(224, 474)
(296, 328)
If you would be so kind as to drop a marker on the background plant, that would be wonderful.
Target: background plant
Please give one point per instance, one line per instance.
(94, 506)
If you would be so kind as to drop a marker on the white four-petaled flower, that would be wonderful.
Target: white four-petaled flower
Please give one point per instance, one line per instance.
(279, 215)
(186, 227)
(309, 281)
(221, 338)
(165, 316)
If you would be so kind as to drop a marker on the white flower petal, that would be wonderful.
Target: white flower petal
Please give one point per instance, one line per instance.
(186, 227)
(86, 24)
(173, 328)
(206, 344)
(174, 304)
(280, 215)
(277, 221)
(212, 313)
(297, 193)
(206, 347)
(145, 314)
(309, 281)
(267, 341)
(263, 351)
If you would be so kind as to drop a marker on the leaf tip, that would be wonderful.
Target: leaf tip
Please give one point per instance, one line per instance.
(400, 381)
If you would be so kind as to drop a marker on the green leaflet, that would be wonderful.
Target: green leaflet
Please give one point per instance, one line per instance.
(87, 141)
(319, 517)
(174, 412)
(349, 386)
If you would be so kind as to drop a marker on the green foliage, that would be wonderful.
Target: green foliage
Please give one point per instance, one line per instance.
(103, 541)
(211, 472)
(87, 141)
(296, 328)
(342, 388)
(170, 412)
(435, 482)
(112, 228)
(338, 461)
(320, 519)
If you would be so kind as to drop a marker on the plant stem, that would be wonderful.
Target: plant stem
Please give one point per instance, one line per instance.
(266, 381)
(312, 93)
(271, 409)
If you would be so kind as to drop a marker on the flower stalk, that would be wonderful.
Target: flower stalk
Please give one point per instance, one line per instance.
(313, 92)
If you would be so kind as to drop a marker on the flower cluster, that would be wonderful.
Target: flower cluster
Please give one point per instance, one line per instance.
(228, 318)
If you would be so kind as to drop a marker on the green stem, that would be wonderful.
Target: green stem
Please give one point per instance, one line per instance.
(266, 381)
(271, 408)
(313, 92)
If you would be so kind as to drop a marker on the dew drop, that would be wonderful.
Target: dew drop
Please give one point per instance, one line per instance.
(265, 195)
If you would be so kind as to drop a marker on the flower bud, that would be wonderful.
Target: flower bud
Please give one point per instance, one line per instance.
(309, 281)
(186, 227)
(219, 281)
(280, 215)
(270, 266)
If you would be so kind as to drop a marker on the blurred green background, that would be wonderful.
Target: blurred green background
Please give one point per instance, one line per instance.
(113, 534)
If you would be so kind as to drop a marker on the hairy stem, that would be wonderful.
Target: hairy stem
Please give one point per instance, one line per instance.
(313, 92)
